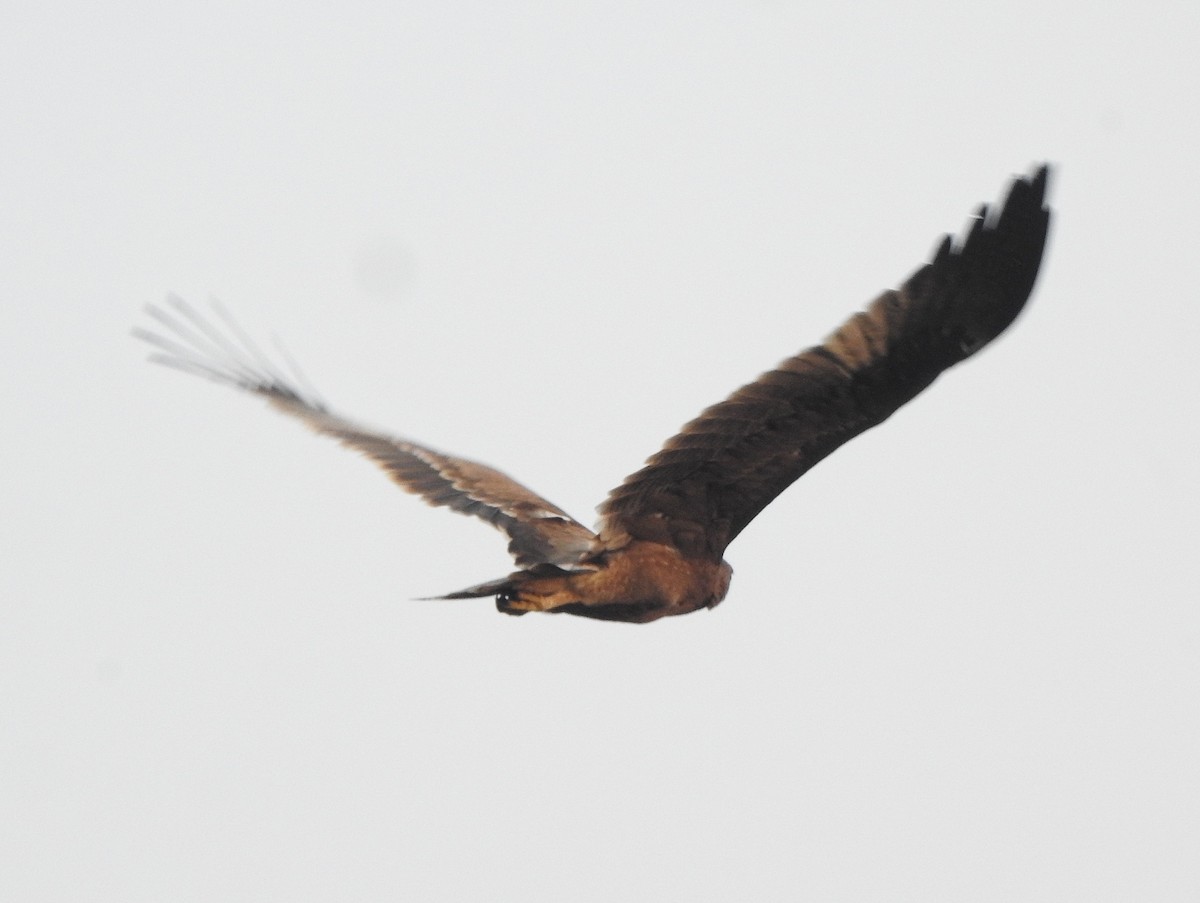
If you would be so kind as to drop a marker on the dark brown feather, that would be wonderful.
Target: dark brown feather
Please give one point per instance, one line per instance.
(724, 467)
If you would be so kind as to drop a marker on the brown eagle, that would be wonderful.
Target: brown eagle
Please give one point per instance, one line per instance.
(657, 549)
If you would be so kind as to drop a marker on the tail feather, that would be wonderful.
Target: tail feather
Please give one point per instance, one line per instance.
(491, 588)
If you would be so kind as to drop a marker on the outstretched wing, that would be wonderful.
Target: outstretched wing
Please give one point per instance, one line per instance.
(724, 467)
(539, 532)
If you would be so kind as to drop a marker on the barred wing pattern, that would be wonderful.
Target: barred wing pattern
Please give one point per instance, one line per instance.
(709, 481)
(539, 532)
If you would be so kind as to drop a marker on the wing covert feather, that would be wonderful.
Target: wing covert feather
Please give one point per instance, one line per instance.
(709, 481)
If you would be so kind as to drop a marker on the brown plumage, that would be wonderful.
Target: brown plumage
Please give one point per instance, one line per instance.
(658, 549)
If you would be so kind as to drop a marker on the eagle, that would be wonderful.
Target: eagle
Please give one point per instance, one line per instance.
(659, 544)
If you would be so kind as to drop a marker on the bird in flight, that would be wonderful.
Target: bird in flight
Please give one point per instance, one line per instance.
(658, 548)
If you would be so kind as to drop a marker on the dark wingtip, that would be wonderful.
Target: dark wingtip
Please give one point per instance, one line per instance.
(987, 273)
(1041, 176)
(944, 250)
(1002, 256)
(1028, 193)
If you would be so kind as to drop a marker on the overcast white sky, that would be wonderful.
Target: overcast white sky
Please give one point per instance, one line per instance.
(960, 660)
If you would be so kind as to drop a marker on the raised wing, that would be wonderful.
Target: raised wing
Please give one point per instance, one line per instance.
(724, 467)
(539, 532)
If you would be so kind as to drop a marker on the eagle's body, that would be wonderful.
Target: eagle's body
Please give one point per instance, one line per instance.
(658, 548)
(636, 581)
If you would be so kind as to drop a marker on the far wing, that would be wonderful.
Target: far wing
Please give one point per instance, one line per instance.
(539, 532)
(724, 467)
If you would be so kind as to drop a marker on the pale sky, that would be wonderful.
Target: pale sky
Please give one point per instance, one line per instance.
(960, 660)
